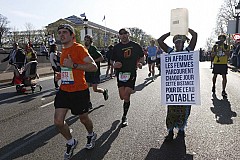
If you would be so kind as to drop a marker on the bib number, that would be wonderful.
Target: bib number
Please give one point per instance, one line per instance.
(124, 77)
(67, 75)
(221, 53)
(153, 58)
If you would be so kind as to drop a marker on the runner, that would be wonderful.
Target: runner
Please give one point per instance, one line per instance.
(177, 115)
(158, 60)
(127, 56)
(220, 56)
(152, 56)
(73, 93)
(93, 78)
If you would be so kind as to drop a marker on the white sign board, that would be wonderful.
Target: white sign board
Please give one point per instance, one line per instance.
(180, 84)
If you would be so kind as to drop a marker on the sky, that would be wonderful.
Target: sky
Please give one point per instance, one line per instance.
(152, 16)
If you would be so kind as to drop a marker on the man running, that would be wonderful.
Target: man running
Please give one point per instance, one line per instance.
(127, 56)
(93, 78)
(73, 93)
(152, 56)
(220, 54)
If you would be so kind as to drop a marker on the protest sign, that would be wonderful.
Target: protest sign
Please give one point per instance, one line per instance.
(180, 84)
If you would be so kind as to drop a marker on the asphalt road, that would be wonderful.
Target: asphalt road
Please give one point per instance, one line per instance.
(27, 130)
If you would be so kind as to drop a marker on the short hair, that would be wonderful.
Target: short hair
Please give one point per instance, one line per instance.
(68, 27)
(89, 37)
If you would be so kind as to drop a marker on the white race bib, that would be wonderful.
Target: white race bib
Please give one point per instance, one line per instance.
(124, 76)
(67, 75)
(153, 58)
(220, 53)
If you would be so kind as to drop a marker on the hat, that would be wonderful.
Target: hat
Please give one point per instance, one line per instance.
(125, 30)
(182, 38)
(66, 26)
(222, 36)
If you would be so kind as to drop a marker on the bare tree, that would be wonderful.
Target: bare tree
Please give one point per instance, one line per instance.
(225, 13)
(3, 27)
(138, 35)
(29, 29)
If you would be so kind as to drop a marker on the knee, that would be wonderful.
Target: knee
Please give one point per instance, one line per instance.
(58, 123)
(84, 118)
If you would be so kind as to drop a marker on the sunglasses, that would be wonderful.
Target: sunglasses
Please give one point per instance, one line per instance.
(121, 33)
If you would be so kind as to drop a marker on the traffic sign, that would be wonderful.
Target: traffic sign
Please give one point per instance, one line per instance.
(236, 36)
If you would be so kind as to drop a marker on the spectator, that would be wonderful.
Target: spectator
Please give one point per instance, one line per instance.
(16, 56)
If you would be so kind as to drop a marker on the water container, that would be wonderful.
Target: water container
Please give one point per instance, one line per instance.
(179, 21)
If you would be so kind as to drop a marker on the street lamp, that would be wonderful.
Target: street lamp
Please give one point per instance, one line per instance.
(85, 22)
(237, 11)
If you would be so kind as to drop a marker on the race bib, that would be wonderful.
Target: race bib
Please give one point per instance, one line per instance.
(221, 53)
(67, 75)
(153, 58)
(124, 76)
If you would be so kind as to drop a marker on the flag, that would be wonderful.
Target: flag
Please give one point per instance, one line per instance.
(103, 18)
(83, 15)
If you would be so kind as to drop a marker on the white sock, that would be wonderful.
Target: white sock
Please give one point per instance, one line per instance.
(70, 141)
(90, 134)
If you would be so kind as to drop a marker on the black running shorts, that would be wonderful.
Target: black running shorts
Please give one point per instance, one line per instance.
(220, 69)
(130, 83)
(77, 102)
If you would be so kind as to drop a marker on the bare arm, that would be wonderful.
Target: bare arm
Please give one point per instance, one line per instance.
(161, 42)
(100, 59)
(89, 66)
(193, 41)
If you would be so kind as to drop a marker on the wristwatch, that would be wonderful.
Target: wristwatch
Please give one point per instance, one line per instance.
(75, 65)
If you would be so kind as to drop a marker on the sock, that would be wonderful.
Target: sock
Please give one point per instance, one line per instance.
(90, 134)
(125, 108)
(70, 141)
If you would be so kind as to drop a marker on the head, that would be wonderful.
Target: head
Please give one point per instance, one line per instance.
(110, 47)
(152, 42)
(66, 34)
(15, 45)
(88, 40)
(222, 38)
(53, 48)
(124, 35)
(179, 41)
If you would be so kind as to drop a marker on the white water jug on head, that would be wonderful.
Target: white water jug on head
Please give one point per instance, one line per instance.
(179, 21)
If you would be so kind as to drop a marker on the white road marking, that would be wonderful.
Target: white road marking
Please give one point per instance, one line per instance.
(45, 105)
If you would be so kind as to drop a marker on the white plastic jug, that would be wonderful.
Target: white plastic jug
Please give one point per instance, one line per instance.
(179, 21)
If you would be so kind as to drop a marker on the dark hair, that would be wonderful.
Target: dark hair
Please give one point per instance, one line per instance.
(110, 47)
(89, 37)
(53, 48)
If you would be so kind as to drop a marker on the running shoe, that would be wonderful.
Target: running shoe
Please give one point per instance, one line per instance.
(169, 137)
(224, 94)
(69, 153)
(91, 141)
(181, 133)
(90, 105)
(124, 121)
(105, 94)
(213, 89)
(149, 74)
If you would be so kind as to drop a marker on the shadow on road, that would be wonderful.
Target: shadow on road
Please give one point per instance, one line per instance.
(222, 110)
(175, 150)
(20, 97)
(145, 83)
(103, 144)
(31, 142)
